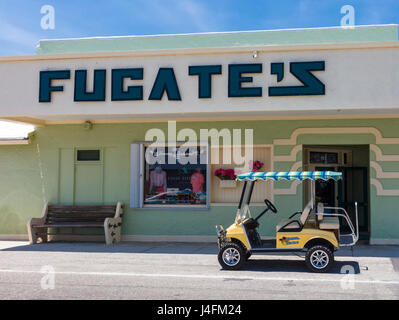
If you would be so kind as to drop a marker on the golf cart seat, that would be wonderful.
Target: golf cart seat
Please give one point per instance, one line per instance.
(292, 224)
(288, 223)
(325, 222)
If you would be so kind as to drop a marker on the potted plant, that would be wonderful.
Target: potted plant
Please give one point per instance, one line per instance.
(227, 178)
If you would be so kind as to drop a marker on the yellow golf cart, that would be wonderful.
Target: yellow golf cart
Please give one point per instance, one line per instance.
(313, 231)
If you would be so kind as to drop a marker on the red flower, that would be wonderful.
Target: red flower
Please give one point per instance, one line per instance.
(256, 165)
(225, 174)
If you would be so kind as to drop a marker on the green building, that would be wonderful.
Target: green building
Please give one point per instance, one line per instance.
(309, 99)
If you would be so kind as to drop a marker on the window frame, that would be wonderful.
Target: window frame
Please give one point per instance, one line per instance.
(88, 162)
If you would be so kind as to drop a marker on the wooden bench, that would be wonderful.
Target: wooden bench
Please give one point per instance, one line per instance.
(107, 217)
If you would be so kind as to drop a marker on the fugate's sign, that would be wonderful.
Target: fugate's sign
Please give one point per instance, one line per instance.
(240, 77)
(214, 85)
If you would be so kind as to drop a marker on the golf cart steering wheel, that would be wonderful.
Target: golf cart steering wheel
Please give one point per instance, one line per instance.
(270, 206)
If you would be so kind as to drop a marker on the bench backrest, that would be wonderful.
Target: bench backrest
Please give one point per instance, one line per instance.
(60, 213)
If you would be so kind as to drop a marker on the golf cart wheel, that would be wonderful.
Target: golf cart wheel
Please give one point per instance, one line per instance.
(231, 256)
(319, 258)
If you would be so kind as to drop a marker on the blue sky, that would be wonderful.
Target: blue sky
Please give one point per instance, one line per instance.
(20, 28)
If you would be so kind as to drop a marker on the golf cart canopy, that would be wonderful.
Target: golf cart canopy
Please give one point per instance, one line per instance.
(290, 175)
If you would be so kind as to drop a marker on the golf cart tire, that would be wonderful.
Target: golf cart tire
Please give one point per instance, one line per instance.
(319, 266)
(239, 256)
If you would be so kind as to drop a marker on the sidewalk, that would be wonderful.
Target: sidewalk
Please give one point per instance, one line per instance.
(360, 250)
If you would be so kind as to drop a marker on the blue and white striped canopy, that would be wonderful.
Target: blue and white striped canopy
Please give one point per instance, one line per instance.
(290, 175)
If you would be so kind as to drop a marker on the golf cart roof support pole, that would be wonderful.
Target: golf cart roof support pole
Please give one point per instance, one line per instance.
(242, 194)
(251, 188)
(312, 192)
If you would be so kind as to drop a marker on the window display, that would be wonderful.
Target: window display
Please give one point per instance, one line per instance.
(174, 180)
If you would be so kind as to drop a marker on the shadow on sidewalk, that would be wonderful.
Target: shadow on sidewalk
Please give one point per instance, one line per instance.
(124, 247)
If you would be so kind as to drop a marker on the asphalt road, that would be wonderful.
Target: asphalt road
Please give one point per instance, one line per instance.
(187, 271)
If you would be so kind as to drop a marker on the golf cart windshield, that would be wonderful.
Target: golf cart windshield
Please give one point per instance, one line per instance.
(243, 211)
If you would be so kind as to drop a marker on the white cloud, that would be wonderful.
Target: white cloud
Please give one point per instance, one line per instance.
(198, 15)
(187, 13)
(15, 35)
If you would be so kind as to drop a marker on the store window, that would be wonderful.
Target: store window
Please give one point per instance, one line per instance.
(173, 176)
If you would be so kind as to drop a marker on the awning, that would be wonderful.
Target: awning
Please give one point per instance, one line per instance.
(290, 175)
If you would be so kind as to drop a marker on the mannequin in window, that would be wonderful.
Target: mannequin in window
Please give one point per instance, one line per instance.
(197, 181)
(158, 180)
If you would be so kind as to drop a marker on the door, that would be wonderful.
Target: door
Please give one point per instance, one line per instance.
(89, 176)
(324, 159)
(354, 188)
(88, 184)
(326, 191)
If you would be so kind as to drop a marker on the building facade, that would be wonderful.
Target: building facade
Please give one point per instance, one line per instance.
(312, 99)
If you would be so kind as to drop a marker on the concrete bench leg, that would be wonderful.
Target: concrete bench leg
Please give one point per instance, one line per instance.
(31, 234)
(32, 222)
(112, 229)
(43, 235)
(33, 231)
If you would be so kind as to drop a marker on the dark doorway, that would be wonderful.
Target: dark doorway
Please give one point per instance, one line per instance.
(353, 162)
(354, 188)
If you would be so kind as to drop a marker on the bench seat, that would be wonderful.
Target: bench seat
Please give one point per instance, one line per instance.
(326, 222)
(329, 223)
(106, 217)
(289, 224)
(294, 224)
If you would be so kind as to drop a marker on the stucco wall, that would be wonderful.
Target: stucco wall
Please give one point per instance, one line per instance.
(30, 175)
